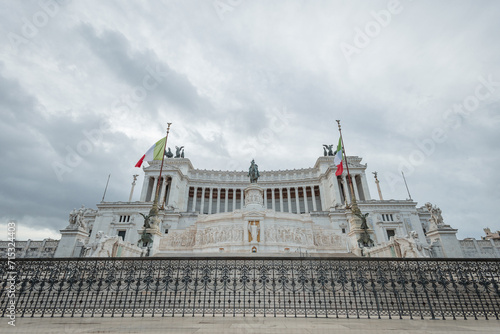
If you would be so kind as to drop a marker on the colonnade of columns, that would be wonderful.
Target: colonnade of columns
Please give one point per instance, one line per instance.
(163, 195)
(297, 199)
(345, 191)
(210, 200)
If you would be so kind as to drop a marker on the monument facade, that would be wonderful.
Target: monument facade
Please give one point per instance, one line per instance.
(305, 211)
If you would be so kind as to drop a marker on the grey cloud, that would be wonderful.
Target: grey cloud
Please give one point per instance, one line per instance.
(262, 56)
(115, 51)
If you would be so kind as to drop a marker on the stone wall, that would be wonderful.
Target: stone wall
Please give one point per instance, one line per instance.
(473, 248)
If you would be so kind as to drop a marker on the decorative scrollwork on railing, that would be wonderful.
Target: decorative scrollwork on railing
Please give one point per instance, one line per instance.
(312, 287)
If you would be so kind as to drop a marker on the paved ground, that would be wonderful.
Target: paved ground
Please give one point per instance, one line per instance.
(220, 325)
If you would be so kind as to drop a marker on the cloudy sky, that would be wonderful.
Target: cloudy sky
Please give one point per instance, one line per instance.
(86, 87)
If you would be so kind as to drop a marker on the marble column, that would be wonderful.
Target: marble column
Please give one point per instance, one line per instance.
(160, 190)
(297, 201)
(153, 191)
(210, 194)
(366, 191)
(202, 206)
(234, 199)
(336, 188)
(226, 199)
(163, 191)
(313, 196)
(145, 185)
(187, 198)
(218, 200)
(281, 199)
(347, 192)
(195, 195)
(354, 185)
(168, 191)
(322, 200)
(289, 200)
(273, 199)
(265, 198)
(306, 205)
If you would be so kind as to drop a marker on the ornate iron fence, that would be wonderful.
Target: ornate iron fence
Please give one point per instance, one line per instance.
(290, 287)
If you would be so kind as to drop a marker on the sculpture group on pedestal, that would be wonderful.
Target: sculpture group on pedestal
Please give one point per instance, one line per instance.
(412, 247)
(436, 220)
(151, 221)
(253, 172)
(102, 246)
(76, 220)
(328, 150)
(364, 239)
(179, 152)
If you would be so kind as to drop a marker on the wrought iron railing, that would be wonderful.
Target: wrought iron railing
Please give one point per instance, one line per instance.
(269, 287)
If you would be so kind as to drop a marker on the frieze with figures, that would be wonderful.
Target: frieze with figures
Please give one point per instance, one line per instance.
(179, 239)
(219, 234)
(328, 239)
(288, 235)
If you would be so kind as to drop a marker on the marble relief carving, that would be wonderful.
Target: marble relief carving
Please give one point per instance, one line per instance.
(254, 196)
(286, 234)
(323, 238)
(181, 239)
(219, 234)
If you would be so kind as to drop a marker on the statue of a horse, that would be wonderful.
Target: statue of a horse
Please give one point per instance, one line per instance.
(328, 149)
(178, 151)
(253, 172)
(169, 153)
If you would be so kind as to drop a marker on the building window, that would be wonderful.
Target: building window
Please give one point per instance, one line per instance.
(122, 234)
(124, 219)
(166, 231)
(387, 217)
(390, 233)
(343, 230)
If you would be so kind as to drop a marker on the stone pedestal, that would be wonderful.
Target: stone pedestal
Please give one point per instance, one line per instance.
(69, 240)
(447, 237)
(254, 197)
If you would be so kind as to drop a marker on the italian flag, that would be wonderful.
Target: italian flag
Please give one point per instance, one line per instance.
(338, 158)
(155, 152)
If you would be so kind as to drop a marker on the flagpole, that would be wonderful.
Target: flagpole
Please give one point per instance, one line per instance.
(408, 190)
(154, 209)
(353, 197)
(106, 188)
